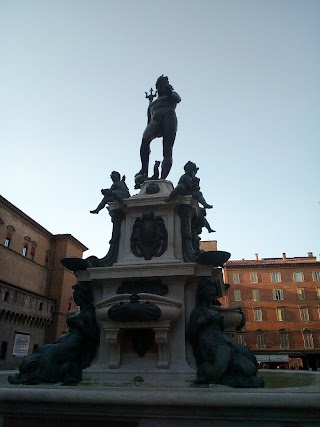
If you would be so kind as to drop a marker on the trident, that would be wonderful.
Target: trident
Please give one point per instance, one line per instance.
(151, 95)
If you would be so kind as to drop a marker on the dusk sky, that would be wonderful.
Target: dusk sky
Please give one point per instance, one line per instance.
(73, 77)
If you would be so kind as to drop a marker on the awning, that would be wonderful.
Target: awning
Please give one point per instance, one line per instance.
(272, 357)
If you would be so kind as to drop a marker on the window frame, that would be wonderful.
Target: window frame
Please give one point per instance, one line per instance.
(304, 314)
(237, 299)
(257, 296)
(261, 340)
(236, 278)
(257, 314)
(316, 276)
(308, 339)
(301, 295)
(254, 275)
(296, 275)
(241, 338)
(276, 292)
(280, 314)
(284, 339)
(276, 277)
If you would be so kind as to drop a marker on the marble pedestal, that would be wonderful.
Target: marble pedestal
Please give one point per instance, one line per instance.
(154, 240)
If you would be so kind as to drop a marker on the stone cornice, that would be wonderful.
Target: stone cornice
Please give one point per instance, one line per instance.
(24, 216)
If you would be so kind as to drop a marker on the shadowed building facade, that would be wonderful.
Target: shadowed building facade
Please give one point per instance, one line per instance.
(35, 289)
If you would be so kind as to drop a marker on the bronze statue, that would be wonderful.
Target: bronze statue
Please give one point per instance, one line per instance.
(219, 360)
(118, 191)
(189, 185)
(162, 122)
(64, 360)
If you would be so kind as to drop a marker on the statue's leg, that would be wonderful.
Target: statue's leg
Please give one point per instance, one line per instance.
(178, 190)
(169, 125)
(148, 135)
(201, 200)
(100, 206)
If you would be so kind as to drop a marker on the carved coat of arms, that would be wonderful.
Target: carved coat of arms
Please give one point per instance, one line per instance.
(149, 236)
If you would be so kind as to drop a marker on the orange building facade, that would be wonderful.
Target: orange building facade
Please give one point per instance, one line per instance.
(35, 289)
(280, 298)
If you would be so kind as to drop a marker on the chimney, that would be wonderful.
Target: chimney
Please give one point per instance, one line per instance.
(310, 254)
(257, 257)
(284, 257)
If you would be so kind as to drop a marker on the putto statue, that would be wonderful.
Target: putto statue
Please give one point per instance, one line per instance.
(189, 184)
(219, 360)
(118, 191)
(162, 122)
(64, 360)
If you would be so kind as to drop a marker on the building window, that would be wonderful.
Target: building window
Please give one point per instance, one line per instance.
(298, 276)
(237, 294)
(6, 296)
(257, 314)
(40, 306)
(3, 350)
(33, 251)
(256, 294)
(304, 314)
(280, 314)
(308, 339)
(319, 312)
(284, 339)
(241, 339)
(276, 277)
(47, 258)
(278, 294)
(261, 340)
(301, 294)
(25, 249)
(254, 277)
(316, 276)
(7, 240)
(236, 278)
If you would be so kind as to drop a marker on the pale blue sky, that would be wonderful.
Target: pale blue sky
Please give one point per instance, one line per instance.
(72, 109)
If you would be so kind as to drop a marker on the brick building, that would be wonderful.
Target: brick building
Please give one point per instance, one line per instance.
(281, 301)
(35, 289)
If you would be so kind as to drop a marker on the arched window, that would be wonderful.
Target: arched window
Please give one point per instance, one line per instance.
(47, 258)
(33, 249)
(25, 248)
(7, 240)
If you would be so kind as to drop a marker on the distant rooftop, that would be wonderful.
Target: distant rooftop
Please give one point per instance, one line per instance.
(284, 260)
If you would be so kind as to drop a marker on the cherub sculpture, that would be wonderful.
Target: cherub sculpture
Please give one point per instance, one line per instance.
(118, 191)
(189, 184)
(162, 122)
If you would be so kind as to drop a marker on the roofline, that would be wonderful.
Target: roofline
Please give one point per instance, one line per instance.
(261, 264)
(39, 227)
(24, 216)
(72, 238)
